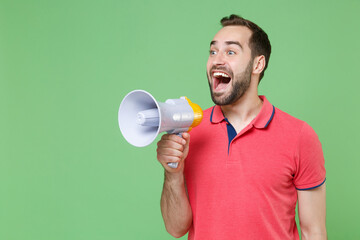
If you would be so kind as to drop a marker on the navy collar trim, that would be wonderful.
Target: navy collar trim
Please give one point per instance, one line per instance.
(272, 115)
(211, 116)
(260, 121)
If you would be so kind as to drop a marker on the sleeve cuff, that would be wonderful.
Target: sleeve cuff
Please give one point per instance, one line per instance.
(310, 186)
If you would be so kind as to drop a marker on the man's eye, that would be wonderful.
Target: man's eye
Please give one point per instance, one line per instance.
(230, 52)
(212, 52)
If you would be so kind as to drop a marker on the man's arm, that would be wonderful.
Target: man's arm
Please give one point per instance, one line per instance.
(312, 213)
(175, 206)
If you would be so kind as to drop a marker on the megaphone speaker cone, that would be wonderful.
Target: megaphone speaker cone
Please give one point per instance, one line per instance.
(137, 118)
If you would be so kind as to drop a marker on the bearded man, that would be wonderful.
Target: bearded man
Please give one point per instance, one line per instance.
(248, 163)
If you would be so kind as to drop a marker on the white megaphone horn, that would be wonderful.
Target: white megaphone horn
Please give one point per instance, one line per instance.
(141, 118)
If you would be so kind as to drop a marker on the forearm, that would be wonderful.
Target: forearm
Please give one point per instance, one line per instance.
(312, 213)
(175, 206)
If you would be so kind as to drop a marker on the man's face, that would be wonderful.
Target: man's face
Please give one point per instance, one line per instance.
(229, 66)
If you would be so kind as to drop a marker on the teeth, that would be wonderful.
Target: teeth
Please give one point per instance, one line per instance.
(217, 74)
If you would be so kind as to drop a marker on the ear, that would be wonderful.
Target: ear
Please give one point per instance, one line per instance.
(259, 64)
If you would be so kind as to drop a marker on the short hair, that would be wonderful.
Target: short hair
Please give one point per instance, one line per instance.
(259, 42)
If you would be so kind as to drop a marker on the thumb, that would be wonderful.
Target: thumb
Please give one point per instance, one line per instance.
(186, 137)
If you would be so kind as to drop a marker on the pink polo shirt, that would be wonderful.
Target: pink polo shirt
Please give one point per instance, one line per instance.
(248, 189)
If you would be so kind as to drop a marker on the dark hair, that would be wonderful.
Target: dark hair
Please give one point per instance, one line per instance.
(259, 42)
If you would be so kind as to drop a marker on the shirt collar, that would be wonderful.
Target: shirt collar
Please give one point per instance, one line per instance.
(262, 120)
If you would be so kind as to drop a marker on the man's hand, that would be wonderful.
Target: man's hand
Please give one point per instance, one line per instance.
(173, 148)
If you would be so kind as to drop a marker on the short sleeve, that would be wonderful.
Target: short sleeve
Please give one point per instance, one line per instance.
(310, 164)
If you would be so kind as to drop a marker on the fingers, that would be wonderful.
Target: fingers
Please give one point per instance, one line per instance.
(171, 141)
(171, 148)
(175, 138)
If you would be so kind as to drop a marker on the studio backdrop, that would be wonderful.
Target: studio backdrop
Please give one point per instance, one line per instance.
(66, 172)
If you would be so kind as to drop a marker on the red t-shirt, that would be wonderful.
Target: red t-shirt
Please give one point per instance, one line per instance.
(248, 189)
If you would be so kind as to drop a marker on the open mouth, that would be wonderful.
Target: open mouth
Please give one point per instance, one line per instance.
(220, 80)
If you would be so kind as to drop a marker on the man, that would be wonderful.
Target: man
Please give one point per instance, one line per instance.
(247, 163)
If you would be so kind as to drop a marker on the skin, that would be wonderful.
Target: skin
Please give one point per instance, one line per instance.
(236, 58)
(175, 206)
(229, 53)
(312, 213)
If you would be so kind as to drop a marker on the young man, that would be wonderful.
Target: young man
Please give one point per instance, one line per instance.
(248, 162)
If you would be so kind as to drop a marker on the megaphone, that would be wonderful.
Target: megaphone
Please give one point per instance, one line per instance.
(141, 118)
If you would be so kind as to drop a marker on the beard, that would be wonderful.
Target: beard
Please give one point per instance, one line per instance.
(239, 85)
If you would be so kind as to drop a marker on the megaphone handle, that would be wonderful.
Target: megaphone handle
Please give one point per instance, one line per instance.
(174, 164)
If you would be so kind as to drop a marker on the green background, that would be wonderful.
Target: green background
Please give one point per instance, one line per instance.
(65, 170)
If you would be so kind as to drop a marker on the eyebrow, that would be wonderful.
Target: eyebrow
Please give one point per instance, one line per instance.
(227, 43)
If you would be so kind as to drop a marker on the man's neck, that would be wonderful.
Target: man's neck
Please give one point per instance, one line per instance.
(243, 111)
